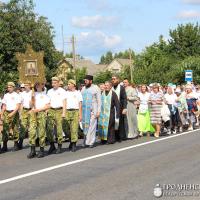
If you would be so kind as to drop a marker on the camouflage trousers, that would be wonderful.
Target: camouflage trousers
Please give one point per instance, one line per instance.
(38, 129)
(71, 124)
(27, 122)
(54, 118)
(10, 127)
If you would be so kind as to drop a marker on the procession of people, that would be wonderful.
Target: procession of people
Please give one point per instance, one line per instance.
(107, 113)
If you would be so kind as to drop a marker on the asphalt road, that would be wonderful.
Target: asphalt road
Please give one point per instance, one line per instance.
(128, 174)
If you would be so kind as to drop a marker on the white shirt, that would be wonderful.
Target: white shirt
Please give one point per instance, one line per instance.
(144, 97)
(56, 97)
(73, 99)
(26, 98)
(11, 100)
(170, 98)
(41, 100)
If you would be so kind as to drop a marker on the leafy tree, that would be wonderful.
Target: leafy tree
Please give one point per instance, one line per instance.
(107, 58)
(125, 54)
(19, 26)
(101, 77)
(80, 74)
(185, 40)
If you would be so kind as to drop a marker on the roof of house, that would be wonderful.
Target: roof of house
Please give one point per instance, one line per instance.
(123, 61)
(91, 67)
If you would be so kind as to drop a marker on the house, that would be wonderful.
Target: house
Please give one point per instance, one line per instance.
(66, 66)
(117, 65)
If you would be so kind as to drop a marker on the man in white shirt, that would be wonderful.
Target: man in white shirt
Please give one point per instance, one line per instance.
(26, 105)
(74, 113)
(10, 116)
(38, 126)
(56, 113)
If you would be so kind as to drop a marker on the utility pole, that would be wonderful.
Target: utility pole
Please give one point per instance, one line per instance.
(74, 55)
(73, 51)
(63, 42)
(131, 65)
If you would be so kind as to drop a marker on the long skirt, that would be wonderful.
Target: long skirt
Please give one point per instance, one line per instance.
(131, 121)
(144, 122)
(155, 114)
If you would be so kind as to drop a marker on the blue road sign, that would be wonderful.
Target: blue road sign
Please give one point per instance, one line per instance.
(188, 75)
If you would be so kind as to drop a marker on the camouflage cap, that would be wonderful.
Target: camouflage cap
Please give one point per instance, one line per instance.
(55, 78)
(11, 84)
(71, 81)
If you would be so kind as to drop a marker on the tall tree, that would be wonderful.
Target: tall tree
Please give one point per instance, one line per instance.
(19, 26)
(107, 58)
(185, 40)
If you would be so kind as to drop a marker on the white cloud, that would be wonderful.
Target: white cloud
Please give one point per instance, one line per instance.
(99, 39)
(195, 2)
(96, 21)
(188, 14)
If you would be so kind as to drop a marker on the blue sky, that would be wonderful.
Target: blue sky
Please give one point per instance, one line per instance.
(116, 25)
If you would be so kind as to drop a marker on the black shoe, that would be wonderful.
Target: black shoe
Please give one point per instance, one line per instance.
(103, 142)
(91, 146)
(52, 148)
(74, 147)
(41, 153)
(32, 154)
(70, 146)
(5, 147)
(59, 150)
(16, 148)
(20, 144)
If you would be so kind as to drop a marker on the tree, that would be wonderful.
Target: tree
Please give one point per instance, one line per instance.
(125, 54)
(107, 58)
(185, 40)
(101, 77)
(19, 26)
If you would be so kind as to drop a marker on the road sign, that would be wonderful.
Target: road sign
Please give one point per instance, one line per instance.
(188, 75)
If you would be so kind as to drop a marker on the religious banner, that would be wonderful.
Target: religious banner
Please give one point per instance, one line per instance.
(31, 66)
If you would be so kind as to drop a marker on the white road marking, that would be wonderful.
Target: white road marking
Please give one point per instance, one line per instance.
(89, 158)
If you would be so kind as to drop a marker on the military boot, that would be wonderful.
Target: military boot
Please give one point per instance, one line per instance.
(74, 147)
(32, 154)
(70, 146)
(20, 144)
(16, 148)
(52, 148)
(5, 147)
(41, 153)
(59, 150)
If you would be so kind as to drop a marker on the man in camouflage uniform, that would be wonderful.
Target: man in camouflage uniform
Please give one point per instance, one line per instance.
(27, 117)
(41, 104)
(74, 113)
(56, 113)
(10, 116)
